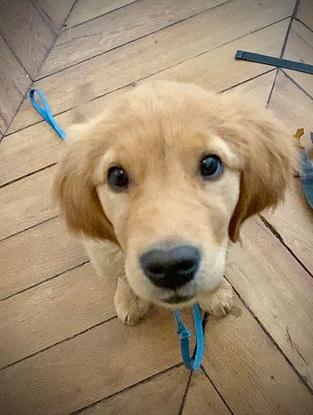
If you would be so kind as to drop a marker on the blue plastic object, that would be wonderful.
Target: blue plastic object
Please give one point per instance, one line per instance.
(192, 363)
(40, 103)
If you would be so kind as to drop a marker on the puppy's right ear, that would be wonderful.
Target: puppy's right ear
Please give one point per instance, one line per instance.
(75, 191)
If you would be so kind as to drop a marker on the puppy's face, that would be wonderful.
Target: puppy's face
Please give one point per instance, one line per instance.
(169, 173)
(169, 190)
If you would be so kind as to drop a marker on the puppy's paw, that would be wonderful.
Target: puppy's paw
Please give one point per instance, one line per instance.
(130, 309)
(220, 303)
(131, 313)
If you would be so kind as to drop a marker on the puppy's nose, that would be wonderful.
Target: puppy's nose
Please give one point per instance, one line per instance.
(171, 268)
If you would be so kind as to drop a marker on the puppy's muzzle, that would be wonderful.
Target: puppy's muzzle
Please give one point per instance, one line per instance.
(171, 268)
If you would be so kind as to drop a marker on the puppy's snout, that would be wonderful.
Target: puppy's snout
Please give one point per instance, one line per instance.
(171, 268)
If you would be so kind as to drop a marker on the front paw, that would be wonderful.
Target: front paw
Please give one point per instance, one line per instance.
(130, 309)
(220, 303)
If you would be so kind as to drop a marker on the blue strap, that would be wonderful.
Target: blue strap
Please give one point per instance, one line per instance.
(271, 60)
(306, 177)
(42, 107)
(195, 362)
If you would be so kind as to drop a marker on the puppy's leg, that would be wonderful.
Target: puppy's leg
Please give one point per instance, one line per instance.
(220, 302)
(130, 308)
(108, 259)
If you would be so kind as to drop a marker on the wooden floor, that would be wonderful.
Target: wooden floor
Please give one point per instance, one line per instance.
(62, 349)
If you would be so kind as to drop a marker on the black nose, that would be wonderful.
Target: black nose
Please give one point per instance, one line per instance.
(171, 268)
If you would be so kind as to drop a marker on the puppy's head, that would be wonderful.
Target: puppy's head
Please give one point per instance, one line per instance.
(169, 173)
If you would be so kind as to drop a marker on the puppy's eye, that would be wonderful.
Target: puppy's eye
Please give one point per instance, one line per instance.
(118, 179)
(211, 167)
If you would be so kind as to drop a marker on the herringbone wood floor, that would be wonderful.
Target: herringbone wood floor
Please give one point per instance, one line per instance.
(62, 349)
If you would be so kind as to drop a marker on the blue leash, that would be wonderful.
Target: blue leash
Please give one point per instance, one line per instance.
(191, 363)
(42, 107)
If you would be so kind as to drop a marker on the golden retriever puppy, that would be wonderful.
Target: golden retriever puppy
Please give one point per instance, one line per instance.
(161, 182)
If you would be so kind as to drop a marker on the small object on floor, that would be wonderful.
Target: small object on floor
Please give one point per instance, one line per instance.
(272, 61)
(299, 133)
(191, 363)
(42, 107)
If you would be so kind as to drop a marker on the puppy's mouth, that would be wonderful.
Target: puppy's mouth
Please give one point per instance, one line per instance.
(176, 299)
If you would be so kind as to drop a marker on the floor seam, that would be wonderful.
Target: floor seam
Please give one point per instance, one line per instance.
(305, 25)
(272, 340)
(101, 323)
(15, 55)
(216, 390)
(289, 28)
(282, 52)
(100, 15)
(17, 179)
(93, 404)
(59, 274)
(277, 235)
(32, 83)
(183, 401)
(297, 84)
(28, 228)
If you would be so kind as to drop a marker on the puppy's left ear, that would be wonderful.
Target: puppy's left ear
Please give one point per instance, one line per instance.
(268, 158)
(75, 190)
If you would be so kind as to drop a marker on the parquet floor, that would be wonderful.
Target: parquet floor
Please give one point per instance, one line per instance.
(62, 349)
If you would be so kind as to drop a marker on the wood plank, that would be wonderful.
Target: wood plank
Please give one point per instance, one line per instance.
(258, 88)
(30, 150)
(36, 255)
(33, 37)
(26, 203)
(165, 392)
(14, 82)
(57, 10)
(53, 311)
(90, 9)
(305, 12)
(217, 70)
(202, 399)
(45, 148)
(294, 223)
(278, 291)
(90, 367)
(152, 54)
(249, 371)
(293, 219)
(295, 113)
(300, 48)
(117, 28)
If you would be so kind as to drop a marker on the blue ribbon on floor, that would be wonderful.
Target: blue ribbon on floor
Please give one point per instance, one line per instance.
(40, 103)
(191, 363)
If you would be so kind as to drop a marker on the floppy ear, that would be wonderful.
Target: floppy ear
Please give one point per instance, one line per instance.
(268, 157)
(75, 190)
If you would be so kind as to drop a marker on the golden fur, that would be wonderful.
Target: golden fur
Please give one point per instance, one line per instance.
(158, 133)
